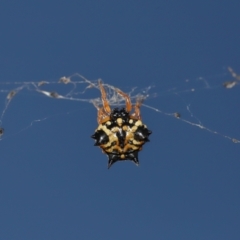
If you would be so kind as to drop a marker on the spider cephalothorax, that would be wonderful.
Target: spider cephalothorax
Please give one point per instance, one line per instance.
(120, 134)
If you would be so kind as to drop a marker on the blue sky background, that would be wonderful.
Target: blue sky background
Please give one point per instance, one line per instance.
(54, 184)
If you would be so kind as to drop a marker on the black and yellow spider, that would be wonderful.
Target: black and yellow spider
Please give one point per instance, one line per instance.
(120, 134)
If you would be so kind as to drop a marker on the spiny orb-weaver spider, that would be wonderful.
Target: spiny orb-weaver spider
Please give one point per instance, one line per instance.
(120, 134)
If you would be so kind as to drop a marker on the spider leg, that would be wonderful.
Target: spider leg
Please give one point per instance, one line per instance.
(102, 116)
(103, 112)
(136, 114)
(127, 99)
(106, 106)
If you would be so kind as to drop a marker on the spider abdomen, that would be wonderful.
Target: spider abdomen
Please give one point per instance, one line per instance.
(121, 137)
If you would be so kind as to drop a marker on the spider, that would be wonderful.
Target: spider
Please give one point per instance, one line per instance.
(120, 134)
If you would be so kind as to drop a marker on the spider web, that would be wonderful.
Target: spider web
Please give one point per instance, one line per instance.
(72, 88)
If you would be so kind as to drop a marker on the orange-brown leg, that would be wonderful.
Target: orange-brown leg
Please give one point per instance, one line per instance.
(102, 116)
(136, 114)
(106, 106)
(127, 99)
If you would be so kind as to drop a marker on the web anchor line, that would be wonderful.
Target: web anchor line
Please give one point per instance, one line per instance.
(178, 116)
